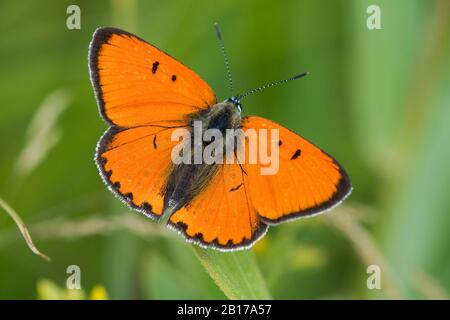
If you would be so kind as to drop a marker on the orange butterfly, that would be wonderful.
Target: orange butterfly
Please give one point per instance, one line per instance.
(145, 95)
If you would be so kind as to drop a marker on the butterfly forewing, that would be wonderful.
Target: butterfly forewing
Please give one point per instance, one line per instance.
(136, 83)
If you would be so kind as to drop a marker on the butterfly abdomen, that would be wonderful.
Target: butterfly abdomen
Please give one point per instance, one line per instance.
(185, 182)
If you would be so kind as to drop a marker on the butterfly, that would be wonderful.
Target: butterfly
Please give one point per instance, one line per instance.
(144, 95)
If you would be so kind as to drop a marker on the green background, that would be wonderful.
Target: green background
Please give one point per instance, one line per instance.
(377, 100)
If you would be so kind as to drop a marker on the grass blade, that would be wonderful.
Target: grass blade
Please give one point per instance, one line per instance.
(23, 229)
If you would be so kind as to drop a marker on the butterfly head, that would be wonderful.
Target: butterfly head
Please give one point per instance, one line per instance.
(235, 102)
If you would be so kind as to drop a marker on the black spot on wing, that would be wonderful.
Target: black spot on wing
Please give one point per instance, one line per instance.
(147, 207)
(236, 188)
(280, 142)
(155, 67)
(174, 78)
(154, 142)
(296, 154)
(129, 195)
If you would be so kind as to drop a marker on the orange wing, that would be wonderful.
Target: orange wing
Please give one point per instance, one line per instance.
(309, 180)
(137, 84)
(222, 216)
(134, 163)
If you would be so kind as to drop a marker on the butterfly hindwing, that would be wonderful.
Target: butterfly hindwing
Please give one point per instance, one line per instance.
(222, 216)
(308, 181)
(135, 163)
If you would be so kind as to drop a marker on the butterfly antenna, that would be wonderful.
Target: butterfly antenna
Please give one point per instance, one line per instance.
(225, 58)
(270, 85)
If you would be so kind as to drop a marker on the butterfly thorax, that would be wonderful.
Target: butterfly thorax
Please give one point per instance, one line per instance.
(185, 181)
(223, 115)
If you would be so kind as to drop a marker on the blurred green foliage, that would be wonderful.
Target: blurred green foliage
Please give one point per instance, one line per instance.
(378, 100)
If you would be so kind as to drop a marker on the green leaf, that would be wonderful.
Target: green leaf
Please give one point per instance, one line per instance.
(236, 273)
